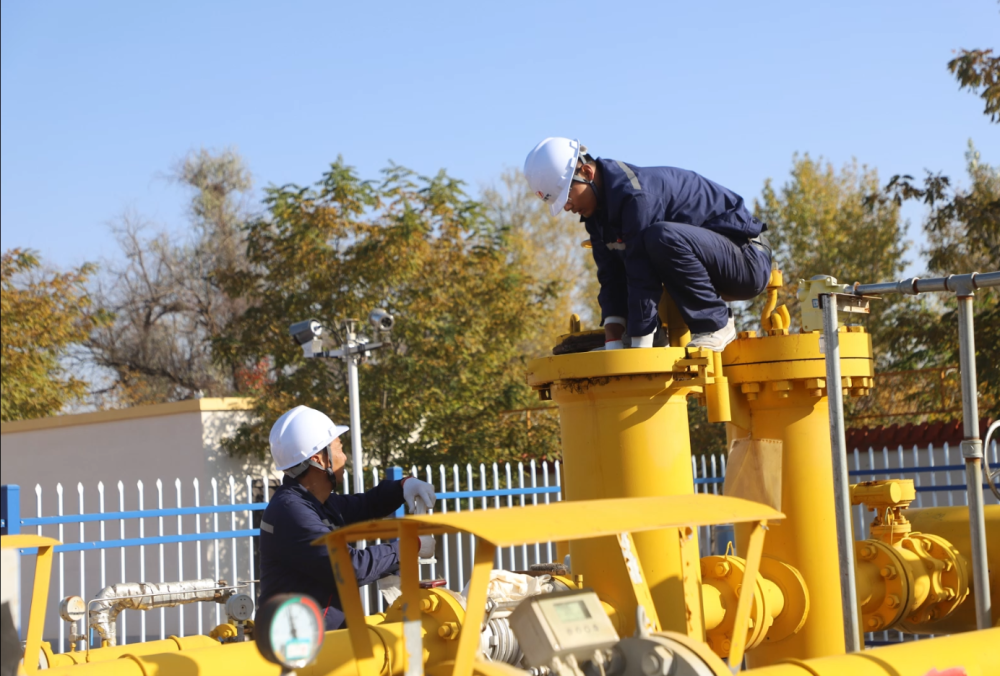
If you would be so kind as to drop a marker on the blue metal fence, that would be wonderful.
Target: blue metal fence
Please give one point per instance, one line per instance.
(231, 552)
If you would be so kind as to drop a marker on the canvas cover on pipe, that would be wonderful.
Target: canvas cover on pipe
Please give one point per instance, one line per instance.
(753, 471)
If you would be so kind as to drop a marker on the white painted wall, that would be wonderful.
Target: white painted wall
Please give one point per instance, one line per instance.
(169, 442)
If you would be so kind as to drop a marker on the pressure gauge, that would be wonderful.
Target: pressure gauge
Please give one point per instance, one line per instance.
(239, 607)
(72, 609)
(289, 630)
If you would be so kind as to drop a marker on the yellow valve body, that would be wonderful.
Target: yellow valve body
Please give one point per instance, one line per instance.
(905, 585)
(782, 379)
(623, 417)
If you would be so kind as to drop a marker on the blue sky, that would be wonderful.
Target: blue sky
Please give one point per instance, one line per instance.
(99, 99)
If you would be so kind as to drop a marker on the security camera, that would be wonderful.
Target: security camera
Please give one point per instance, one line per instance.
(307, 334)
(304, 332)
(381, 319)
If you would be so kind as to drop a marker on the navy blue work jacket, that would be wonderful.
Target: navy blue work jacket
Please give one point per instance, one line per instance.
(295, 518)
(634, 199)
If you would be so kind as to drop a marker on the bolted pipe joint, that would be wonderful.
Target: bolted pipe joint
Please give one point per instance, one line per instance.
(909, 583)
(780, 602)
(963, 286)
(972, 449)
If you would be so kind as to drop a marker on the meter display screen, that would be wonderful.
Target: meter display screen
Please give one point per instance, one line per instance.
(571, 611)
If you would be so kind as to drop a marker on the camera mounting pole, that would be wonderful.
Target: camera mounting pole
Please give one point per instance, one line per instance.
(352, 359)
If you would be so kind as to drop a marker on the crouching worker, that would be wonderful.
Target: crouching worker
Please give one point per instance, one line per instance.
(655, 228)
(305, 446)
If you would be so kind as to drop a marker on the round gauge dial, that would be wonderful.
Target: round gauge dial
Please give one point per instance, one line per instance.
(289, 630)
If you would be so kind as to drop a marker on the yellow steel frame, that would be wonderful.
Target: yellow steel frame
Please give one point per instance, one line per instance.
(618, 517)
(39, 591)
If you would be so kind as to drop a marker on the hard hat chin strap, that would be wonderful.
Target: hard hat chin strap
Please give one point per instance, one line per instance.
(593, 188)
(330, 474)
(300, 469)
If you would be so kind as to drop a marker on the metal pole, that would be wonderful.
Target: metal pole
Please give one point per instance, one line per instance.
(354, 402)
(841, 485)
(972, 450)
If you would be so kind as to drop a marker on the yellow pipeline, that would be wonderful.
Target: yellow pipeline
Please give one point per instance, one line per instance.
(335, 659)
(623, 416)
(171, 644)
(780, 379)
(975, 652)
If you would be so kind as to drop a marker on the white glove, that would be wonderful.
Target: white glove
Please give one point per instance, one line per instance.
(614, 345)
(415, 488)
(427, 546)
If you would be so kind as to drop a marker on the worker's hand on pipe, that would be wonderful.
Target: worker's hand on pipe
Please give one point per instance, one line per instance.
(414, 488)
(427, 547)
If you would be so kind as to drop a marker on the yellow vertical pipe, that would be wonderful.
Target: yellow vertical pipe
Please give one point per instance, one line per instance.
(626, 436)
(806, 539)
(677, 329)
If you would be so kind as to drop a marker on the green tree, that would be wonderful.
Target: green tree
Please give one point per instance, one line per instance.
(979, 71)
(43, 315)
(963, 235)
(820, 223)
(549, 248)
(422, 249)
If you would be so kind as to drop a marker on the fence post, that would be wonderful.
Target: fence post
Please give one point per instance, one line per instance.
(10, 505)
(10, 524)
(396, 474)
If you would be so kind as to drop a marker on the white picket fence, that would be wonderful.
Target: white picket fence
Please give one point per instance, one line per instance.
(210, 531)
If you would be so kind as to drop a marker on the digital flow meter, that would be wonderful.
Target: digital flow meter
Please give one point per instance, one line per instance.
(562, 624)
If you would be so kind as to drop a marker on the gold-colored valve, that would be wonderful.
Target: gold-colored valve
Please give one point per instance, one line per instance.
(905, 580)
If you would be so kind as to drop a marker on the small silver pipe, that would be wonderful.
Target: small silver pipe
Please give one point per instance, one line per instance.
(987, 279)
(955, 283)
(972, 450)
(103, 610)
(841, 481)
(877, 288)
(931, 285)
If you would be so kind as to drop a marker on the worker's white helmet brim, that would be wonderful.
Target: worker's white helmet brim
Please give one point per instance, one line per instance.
(550, 167)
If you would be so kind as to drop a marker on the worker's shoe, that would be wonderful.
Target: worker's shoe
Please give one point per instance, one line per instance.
(716, 340)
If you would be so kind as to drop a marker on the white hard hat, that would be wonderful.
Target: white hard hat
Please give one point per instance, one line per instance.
(549, 169)
(300, 434)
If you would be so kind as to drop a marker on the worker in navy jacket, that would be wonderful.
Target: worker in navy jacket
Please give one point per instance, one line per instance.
(306, 447)
(655, 228)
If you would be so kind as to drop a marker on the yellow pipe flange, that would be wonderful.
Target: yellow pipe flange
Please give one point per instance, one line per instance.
(947, 579)
(725, 574)
(795, 595)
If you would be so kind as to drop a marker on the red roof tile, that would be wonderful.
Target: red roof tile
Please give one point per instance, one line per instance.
(937, 433)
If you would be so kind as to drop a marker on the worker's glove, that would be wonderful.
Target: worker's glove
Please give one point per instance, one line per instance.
(427, 547)
(414, 488)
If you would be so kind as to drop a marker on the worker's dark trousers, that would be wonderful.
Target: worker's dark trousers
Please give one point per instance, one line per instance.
(698, 266)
